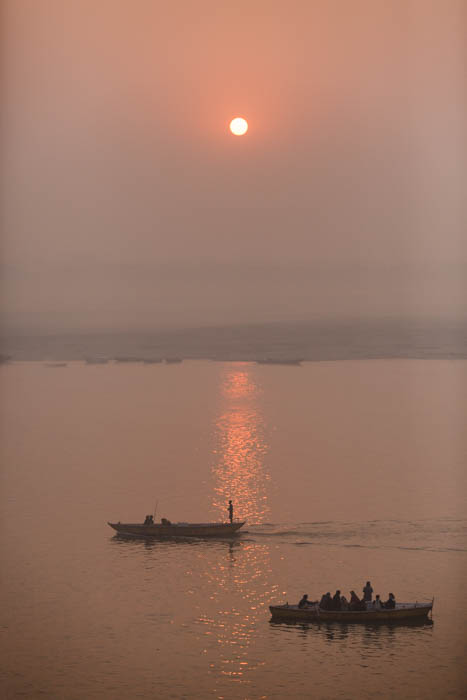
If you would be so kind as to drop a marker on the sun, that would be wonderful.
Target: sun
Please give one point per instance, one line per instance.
(239, 126)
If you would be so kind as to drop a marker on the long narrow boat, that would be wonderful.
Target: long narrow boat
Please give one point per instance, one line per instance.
(168, 529)
(313, 613)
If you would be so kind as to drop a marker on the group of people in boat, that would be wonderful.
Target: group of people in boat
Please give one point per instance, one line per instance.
(340, 602)
(149, 520)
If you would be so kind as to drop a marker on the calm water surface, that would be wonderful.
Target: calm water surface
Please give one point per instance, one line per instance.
(344, 471)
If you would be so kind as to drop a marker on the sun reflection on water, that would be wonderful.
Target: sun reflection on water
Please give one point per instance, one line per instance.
(240, 448)
(240, 590)
(239, 583)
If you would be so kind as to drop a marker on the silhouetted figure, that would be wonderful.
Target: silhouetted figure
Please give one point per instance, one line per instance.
(377, 603)
(304, 601)
(355, 602)
(336, 601)
(326, 601)
(390, 604)
(344, 603)
(367, 592)
(149, 520)
(230, 509)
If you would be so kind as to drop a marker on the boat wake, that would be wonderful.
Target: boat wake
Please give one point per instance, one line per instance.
(436, 535)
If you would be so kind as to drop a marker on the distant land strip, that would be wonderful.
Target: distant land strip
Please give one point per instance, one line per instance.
(267, 343)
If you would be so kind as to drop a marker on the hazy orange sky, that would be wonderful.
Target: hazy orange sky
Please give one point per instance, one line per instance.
(126, 200)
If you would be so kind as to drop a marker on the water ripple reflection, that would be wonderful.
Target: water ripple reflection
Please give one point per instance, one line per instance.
(241, 589)
(240, 447)
(239, 584)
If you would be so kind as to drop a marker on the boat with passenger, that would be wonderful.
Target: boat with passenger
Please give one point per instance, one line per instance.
(168, 529)
(313, 613)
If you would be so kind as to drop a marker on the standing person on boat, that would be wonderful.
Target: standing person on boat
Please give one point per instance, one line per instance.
(230, 509)
(367, 592)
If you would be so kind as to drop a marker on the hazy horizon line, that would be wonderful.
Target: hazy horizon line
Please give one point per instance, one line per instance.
(330, 320)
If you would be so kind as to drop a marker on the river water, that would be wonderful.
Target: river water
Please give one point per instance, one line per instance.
(344, 471)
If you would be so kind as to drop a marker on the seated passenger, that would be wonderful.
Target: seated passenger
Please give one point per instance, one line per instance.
(391, 602)
(326, 602)
(344, 603)
(377, 603)
(304, 601)
(355, 602)
(336, 601)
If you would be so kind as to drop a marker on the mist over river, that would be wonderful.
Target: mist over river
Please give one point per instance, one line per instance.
(345, 471)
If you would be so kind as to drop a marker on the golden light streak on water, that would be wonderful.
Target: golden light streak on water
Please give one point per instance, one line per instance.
(240, 448)
(239, 473)
(245, 571)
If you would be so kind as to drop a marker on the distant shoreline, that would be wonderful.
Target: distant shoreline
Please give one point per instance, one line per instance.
(281, 343)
